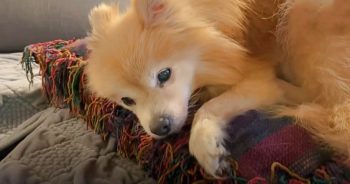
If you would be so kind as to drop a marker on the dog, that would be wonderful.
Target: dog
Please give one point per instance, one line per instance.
(293, 55)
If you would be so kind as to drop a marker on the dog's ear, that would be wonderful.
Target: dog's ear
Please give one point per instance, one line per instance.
(153, 12)
(101, 16)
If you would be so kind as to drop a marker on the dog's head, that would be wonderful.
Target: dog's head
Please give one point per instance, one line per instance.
(145, 60)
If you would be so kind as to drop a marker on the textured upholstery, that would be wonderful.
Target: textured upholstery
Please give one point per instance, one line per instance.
(30, 21)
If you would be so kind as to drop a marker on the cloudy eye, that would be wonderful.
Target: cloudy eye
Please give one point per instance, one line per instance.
(128, 101)
(164, 75)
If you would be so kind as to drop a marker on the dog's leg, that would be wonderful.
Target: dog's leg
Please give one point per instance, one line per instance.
(208, 129)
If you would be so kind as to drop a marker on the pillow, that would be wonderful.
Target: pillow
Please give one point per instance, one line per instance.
(263, 150)
(31, 21)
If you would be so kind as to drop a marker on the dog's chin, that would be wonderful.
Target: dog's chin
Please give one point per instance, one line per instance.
(157, 137)
(154, 136)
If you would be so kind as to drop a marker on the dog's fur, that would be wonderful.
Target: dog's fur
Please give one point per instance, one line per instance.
(237, 45)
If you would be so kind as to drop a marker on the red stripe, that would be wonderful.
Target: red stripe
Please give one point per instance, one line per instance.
(285, 146)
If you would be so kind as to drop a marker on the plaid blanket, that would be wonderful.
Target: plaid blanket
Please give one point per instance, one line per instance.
(263, 150)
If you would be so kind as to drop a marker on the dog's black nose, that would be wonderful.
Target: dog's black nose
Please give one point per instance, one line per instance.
(161, 126)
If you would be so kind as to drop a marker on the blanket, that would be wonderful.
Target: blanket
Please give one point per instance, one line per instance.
(18, 102)
(263, 150)
(62, 150)
(39, 145)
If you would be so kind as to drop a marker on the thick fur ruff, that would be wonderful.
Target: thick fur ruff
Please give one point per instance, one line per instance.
(315, 37)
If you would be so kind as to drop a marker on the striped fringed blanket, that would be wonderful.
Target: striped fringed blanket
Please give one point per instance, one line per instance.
(263, 150)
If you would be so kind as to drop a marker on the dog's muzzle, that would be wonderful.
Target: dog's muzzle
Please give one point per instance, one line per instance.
(161, 126)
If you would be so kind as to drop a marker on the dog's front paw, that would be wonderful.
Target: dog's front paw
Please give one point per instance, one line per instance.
(207, 145)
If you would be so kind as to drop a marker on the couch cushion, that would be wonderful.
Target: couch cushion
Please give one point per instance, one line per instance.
(31, 21)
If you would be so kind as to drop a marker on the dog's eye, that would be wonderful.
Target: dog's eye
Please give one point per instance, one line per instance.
(164, 75)
(128, 101)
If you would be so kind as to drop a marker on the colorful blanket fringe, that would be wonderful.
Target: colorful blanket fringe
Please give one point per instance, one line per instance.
(261, 147)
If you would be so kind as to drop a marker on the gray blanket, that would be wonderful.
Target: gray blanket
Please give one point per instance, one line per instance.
(62, 150)
(18, 101)
(56, 148)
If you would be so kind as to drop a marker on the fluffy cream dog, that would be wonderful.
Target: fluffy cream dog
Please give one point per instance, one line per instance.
(151, 57)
